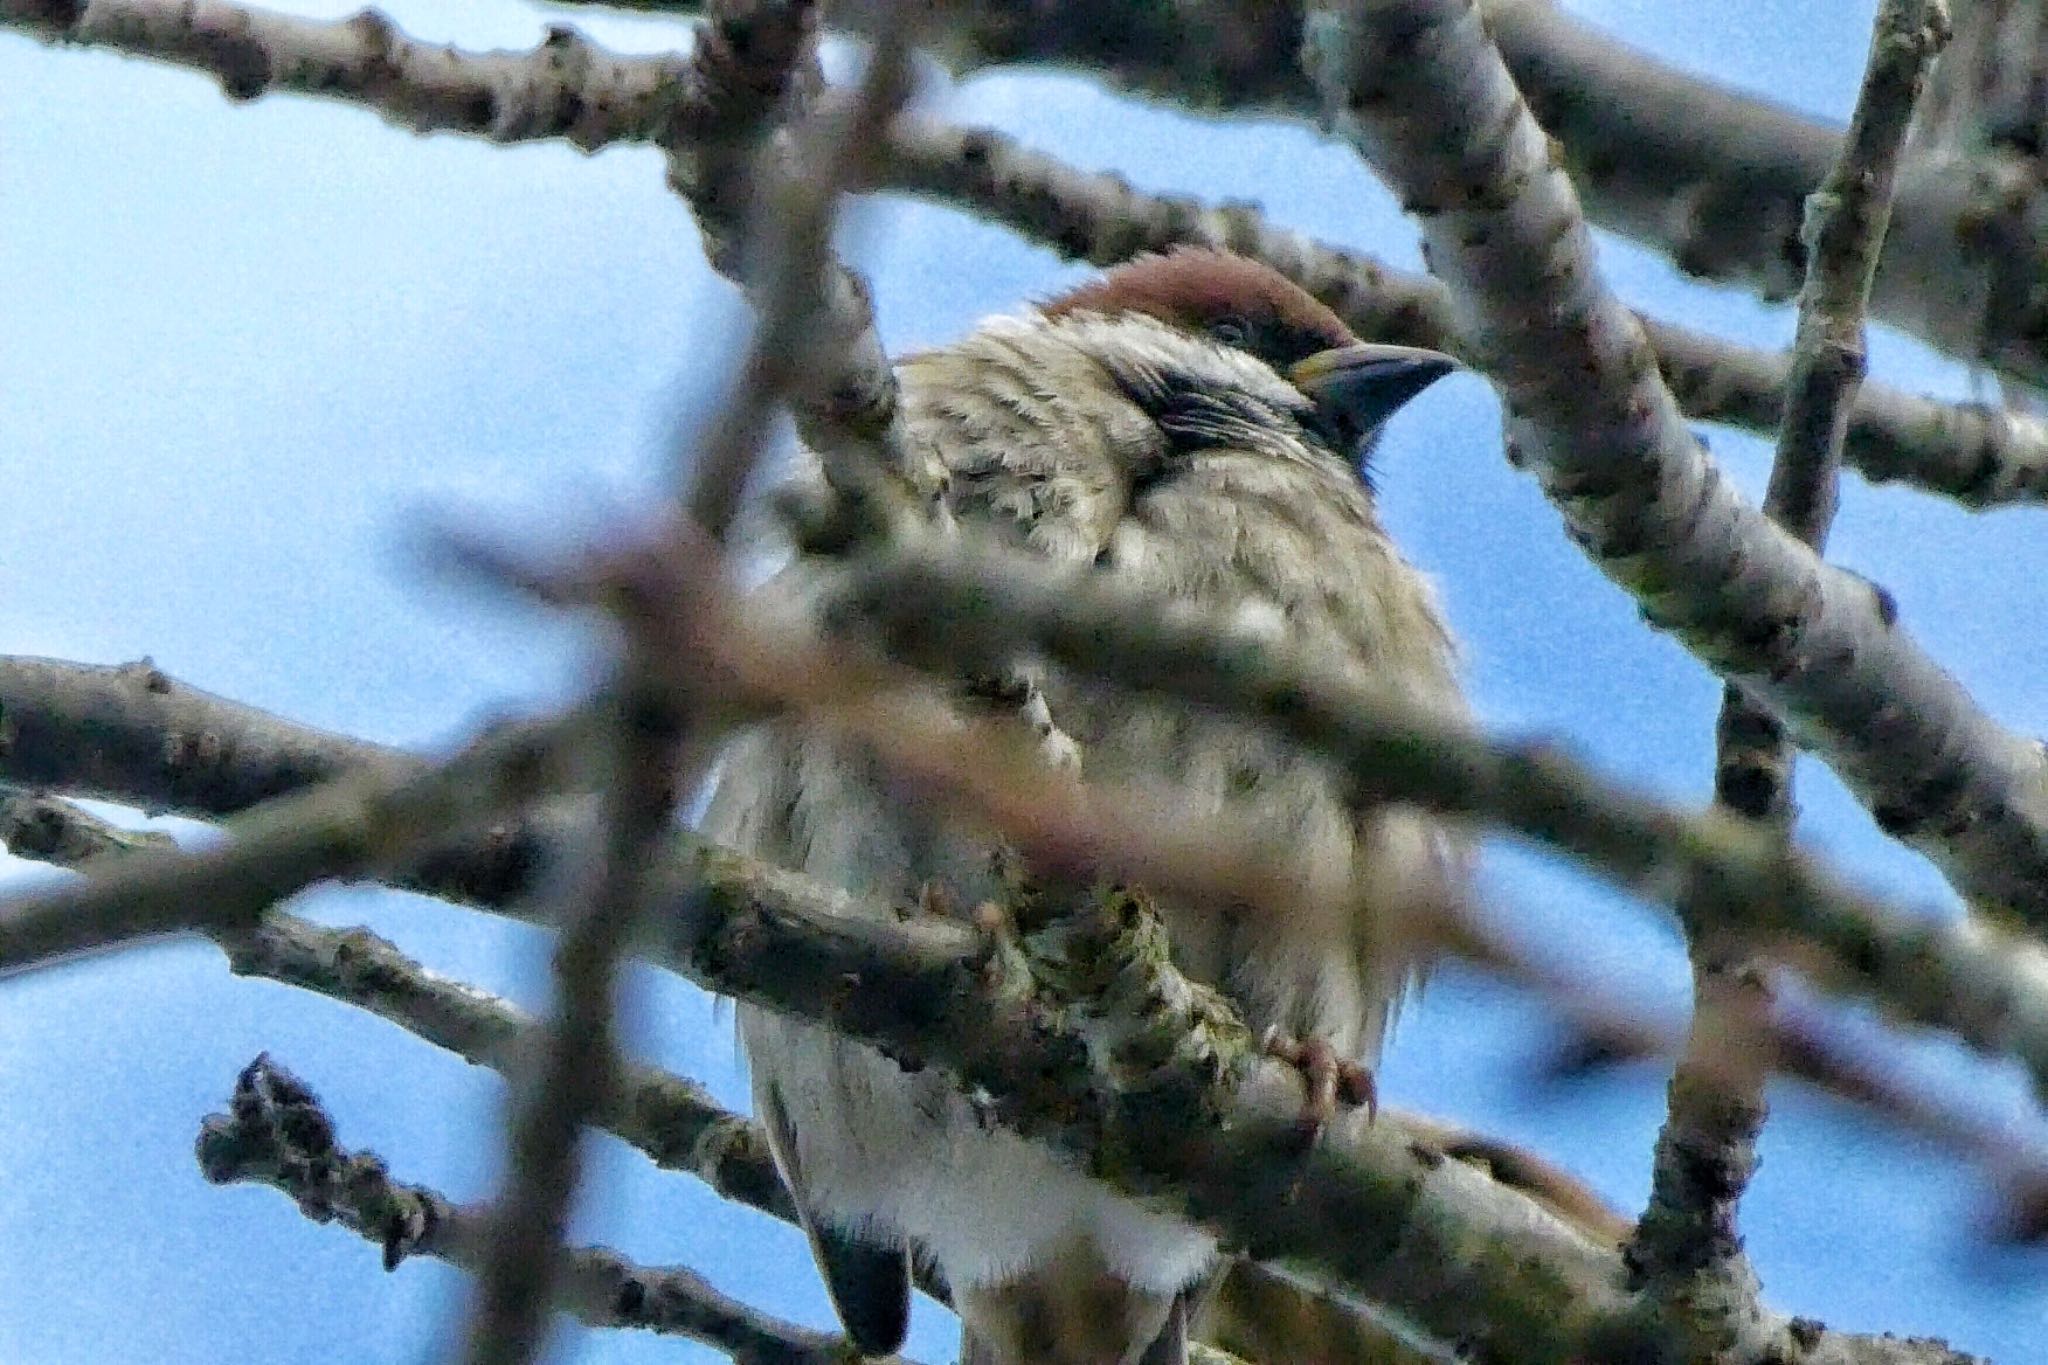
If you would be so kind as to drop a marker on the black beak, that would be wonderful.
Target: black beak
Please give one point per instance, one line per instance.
(1357, 388)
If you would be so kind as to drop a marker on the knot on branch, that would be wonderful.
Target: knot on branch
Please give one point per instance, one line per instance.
(747, 61)
(277, 1133)
(1151, 1031)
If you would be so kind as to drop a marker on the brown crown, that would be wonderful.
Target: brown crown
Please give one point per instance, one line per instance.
(1196, 289)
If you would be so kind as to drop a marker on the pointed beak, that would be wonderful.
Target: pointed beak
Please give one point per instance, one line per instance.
(1356, 388)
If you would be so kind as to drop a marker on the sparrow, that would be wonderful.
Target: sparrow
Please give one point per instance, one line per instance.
(1197, 425)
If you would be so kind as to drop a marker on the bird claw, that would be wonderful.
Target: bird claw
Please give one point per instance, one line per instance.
(934, 899)
(1329, 1079)
(1019, 693)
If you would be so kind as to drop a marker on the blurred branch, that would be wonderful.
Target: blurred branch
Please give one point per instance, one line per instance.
(1687, 1245)
(1980, 456)
(376, 820)
(277, 1133)
(689, 866)
(780, 940)
(650, 746)
(1982, 983)
(766, 207)
(655, 741)
(1988, 986)
(1587, 412)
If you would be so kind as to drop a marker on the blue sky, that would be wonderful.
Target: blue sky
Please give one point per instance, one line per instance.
(252, 350)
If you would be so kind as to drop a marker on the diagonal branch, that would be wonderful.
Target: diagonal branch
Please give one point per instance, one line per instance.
(87, 731)
(1822, 649)
(377, 821)
(1986, 985)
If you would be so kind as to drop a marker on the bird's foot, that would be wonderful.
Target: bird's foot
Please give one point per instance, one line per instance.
(934, 899)
(1329, 1078)
(1018, 692)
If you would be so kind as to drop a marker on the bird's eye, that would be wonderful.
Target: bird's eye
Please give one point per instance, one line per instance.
(1231, 331)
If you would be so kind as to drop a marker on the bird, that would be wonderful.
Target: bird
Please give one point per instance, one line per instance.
(1198, 426)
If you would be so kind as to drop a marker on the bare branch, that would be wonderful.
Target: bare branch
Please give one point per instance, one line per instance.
(1821, 648)
(1847, 220)
(277, 1133)
(567, 89)
(817, 346)
(1204, 1124)
(677, 1125)
(778, 939)
(1687, 1245)
(1718, 181)
(1715, 179)
(968, 609)
(1981, 456)
(674, 1121)
(367, 822)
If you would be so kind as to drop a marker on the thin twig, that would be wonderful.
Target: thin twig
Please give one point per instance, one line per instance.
(277, 1133)
(1846, 222)
(1687, 1243)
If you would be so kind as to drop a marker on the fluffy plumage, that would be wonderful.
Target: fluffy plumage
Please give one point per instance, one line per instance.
(1189, 423)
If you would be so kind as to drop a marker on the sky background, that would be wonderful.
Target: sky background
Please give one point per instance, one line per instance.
(251, 351)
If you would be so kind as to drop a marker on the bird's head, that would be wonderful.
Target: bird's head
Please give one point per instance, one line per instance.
(1248, 306)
